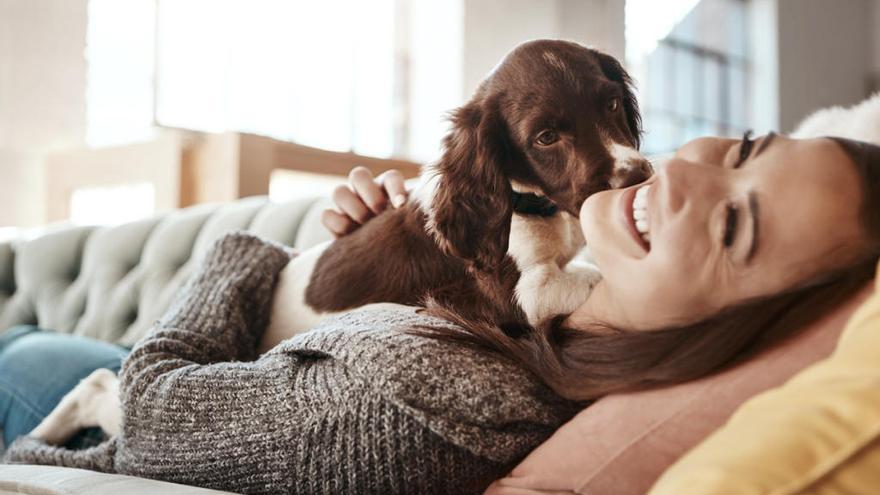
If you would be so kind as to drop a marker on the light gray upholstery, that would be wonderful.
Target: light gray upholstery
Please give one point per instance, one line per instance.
(111, 283)
(46, 480)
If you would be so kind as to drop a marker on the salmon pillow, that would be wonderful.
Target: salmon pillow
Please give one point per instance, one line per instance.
(820, 433)
(622, 443)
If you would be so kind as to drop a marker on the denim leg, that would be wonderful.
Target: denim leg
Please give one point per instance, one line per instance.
(38, 367)
(8, 336)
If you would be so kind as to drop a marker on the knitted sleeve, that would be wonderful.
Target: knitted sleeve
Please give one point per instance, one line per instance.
(220, 315)
(30, 450)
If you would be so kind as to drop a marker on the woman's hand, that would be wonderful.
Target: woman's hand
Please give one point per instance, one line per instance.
(363, 198)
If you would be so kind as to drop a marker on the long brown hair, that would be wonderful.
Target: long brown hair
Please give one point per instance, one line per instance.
(587, 363)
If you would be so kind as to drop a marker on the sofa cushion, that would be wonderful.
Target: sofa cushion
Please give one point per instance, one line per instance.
(819, 433)
(622, 443)
(111, 283)
(49, 480)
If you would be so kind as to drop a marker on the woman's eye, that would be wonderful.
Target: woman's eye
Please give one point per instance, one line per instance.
(730, 221)
(613, 105)
(546, 138)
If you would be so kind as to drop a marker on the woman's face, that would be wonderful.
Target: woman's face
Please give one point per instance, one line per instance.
(723, 221)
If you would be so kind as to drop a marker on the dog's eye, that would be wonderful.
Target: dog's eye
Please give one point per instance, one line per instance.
(547, 137)
(613, 105)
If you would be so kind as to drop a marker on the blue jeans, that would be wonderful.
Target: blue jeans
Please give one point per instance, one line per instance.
(38, 367)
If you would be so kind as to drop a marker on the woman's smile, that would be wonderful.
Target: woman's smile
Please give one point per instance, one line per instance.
(640, 213)
(634, 215)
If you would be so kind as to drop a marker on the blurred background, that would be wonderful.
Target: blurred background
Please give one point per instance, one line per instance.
(112, 110)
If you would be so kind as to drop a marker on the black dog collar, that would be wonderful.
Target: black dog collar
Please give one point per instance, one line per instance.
(532, 204)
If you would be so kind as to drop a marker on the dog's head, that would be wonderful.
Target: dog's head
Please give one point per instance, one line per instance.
(554, 118)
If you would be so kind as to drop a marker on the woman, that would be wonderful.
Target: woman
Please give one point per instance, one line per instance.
(745, 239)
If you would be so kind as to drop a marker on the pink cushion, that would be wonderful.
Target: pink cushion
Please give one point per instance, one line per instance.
(621, 444)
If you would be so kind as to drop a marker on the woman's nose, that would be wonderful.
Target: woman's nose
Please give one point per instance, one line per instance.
(682, 182)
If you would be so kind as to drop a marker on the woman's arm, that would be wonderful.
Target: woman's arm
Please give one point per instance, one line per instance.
(222, 312)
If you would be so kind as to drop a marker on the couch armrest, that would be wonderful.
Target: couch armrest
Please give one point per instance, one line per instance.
(43, 480)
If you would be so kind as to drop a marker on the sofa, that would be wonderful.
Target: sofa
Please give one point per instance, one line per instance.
(111, 283)
(802, 416)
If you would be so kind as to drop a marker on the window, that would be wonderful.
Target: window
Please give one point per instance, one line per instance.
(347, 75)
(120, 55)
(693, 73)
(88, 206)
(321, 73)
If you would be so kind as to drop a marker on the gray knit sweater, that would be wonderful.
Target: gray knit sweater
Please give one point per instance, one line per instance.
(357, 405)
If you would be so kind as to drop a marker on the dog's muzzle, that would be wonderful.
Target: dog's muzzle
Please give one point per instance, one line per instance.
(630, 167)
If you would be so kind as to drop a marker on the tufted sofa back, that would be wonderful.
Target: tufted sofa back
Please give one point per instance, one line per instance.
(112, 283)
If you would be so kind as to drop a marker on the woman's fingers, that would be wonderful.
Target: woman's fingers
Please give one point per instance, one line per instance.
(363, 198)
(350, 204)
(392, 182)
(337, 223)
(370, 193)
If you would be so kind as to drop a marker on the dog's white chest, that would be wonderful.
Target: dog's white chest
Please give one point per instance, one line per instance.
(290, 313)
(553, 278)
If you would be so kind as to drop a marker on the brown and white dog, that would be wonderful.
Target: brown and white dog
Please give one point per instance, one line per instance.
(554, 123)
(492, 231)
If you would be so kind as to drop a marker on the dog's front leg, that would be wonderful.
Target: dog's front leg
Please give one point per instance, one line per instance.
(554, 276)
(93, 402)
(547, 290)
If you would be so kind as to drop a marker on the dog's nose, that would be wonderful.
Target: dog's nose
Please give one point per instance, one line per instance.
(635, 170)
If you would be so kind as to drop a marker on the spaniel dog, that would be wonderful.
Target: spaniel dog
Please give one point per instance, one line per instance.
(493, 229)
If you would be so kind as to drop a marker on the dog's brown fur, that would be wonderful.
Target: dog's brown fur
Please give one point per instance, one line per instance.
(454, 250)
(393, 259)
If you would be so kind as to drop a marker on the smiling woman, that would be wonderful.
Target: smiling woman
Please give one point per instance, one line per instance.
(731, 244)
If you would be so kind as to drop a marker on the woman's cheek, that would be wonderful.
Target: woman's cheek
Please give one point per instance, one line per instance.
(661, 270)
(679, 253)
(589, 212)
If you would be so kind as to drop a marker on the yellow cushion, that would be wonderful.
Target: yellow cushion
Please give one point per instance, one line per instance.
(818, 433)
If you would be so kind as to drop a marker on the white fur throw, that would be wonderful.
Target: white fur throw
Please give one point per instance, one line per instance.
(860, 122)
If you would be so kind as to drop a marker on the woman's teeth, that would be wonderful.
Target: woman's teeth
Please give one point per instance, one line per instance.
(640, 212)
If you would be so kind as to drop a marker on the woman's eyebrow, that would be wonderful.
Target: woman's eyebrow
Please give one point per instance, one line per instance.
(753, 210)
(764, 143)
(753, 200)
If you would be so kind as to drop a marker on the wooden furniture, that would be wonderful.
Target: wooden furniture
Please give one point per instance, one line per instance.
(187, 167)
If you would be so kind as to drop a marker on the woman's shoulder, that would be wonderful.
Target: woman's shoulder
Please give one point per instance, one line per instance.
(444, 383)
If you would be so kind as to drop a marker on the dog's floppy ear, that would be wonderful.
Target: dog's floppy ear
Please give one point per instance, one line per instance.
(472, 205)
(615, 72)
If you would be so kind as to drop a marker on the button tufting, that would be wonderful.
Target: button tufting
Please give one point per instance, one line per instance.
(132, 316)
